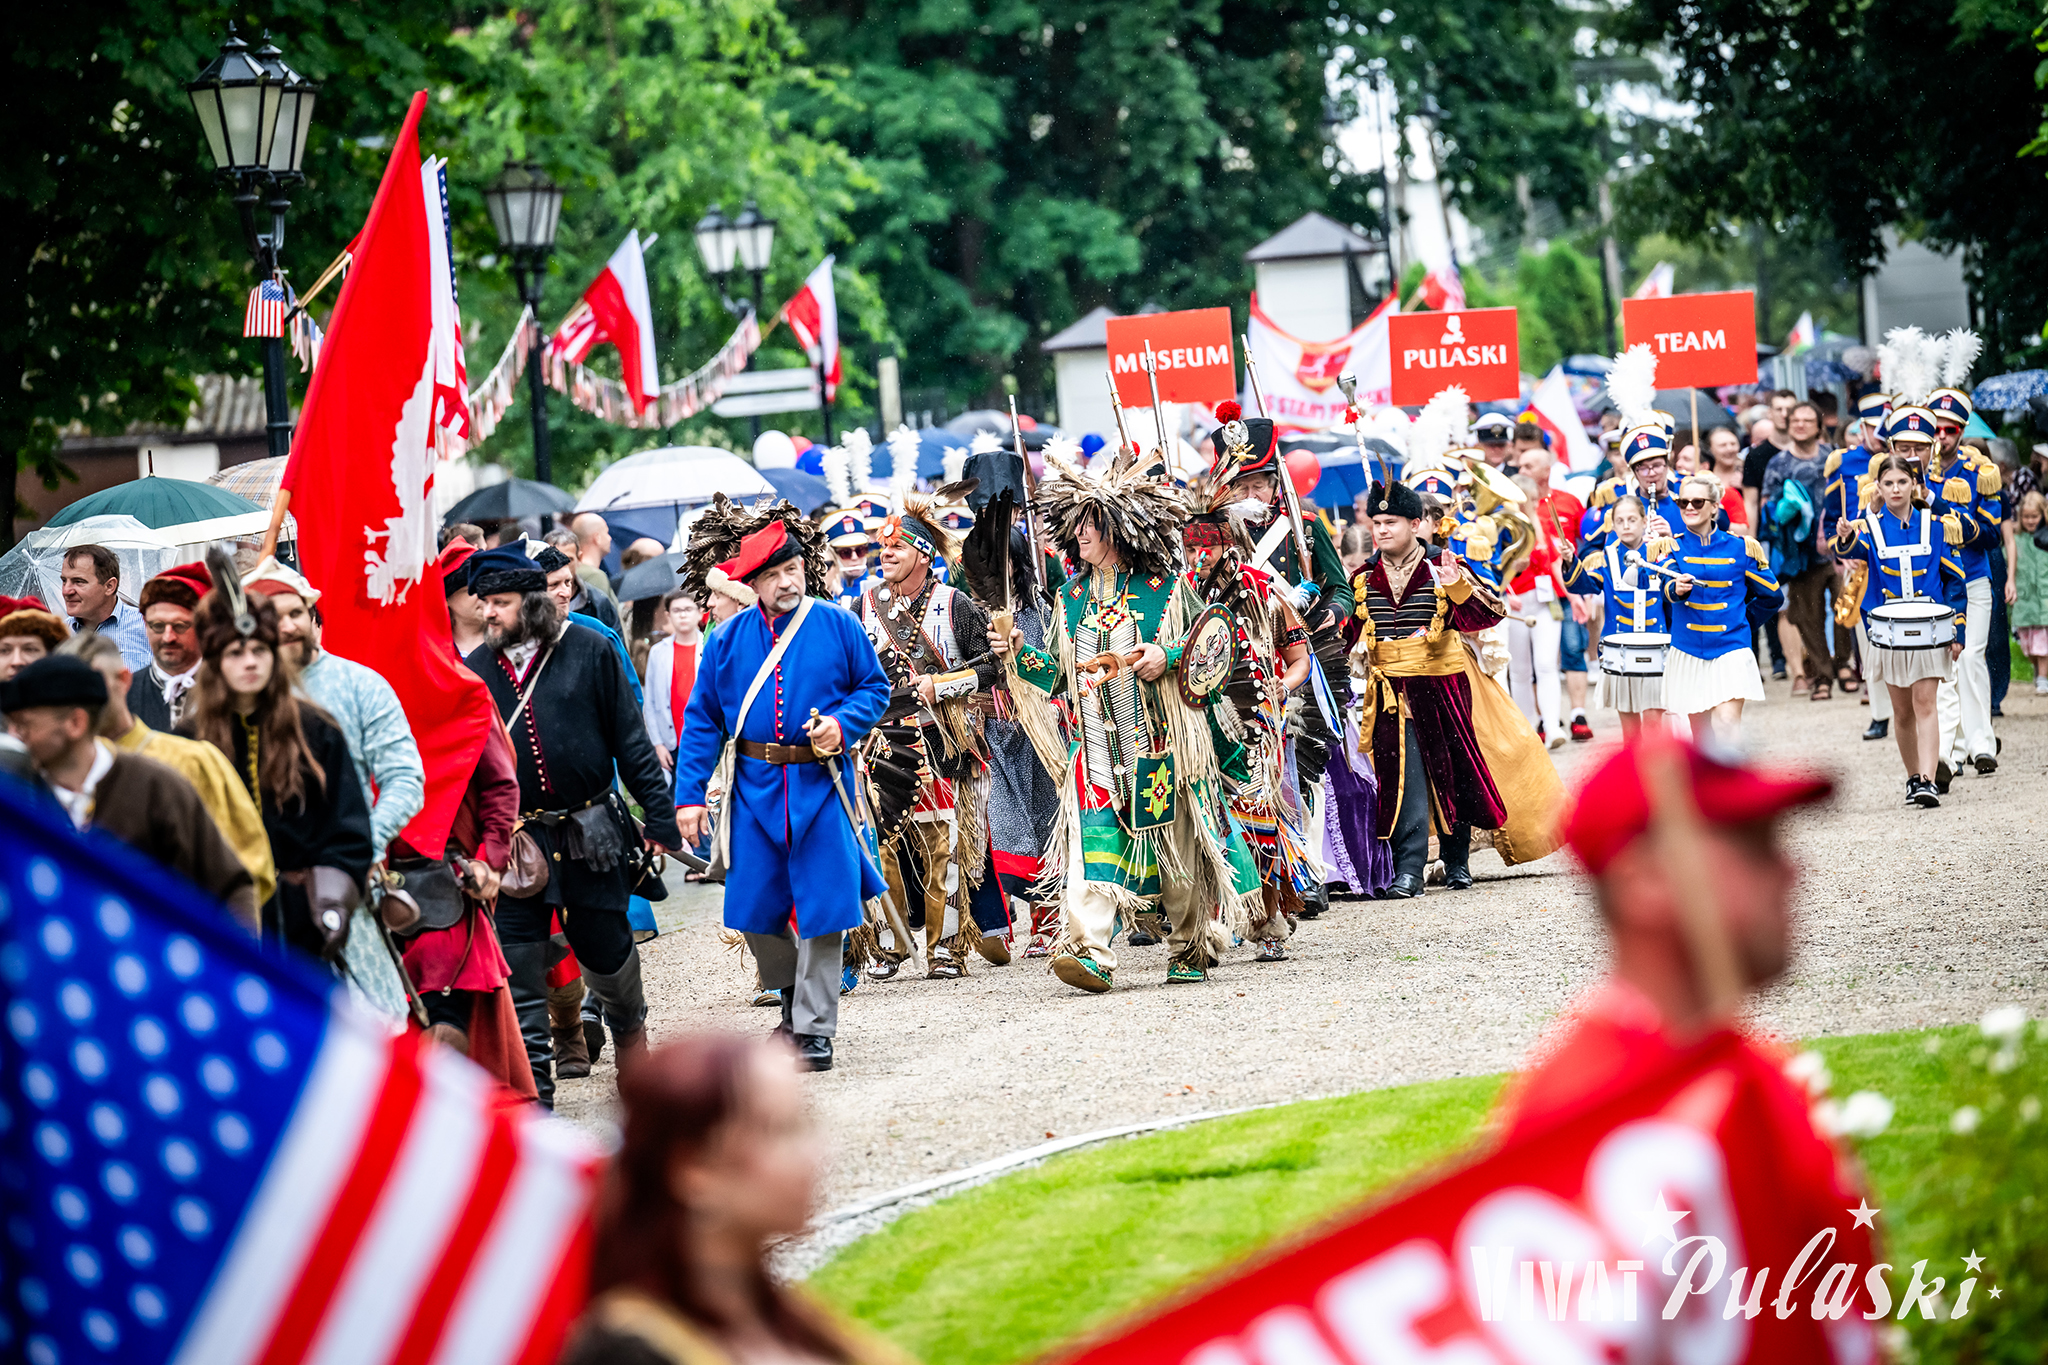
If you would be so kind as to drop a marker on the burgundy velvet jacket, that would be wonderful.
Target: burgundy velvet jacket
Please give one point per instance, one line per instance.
(1462, 790)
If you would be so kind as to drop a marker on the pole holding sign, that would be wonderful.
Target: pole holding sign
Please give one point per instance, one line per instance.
(1700, 340)
(1478, 349)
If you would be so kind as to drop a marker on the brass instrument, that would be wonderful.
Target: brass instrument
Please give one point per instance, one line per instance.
(1495, 497)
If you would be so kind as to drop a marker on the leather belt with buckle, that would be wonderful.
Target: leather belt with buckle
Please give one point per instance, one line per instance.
(778, 753)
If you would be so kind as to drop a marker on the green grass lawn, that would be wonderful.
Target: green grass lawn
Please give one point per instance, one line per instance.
(1002, 1272)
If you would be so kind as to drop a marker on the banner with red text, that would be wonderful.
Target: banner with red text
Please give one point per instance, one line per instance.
(1476, 349)
(1191, 350)
(1673, 1220)
(1700, 340)
(1299, 378)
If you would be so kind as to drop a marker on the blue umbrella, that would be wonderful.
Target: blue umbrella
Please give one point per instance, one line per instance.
(2007, 392)
(807, 491)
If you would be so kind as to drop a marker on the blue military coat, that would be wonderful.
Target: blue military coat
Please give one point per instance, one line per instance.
(793, 850)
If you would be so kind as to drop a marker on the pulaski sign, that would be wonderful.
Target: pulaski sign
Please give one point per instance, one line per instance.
(1475, 349)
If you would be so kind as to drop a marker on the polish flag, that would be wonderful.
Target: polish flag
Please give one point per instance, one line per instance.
(616, 308)
(1443, 291)
(1657, 284)
(813, 314)
(1552, 408)
(361, 476)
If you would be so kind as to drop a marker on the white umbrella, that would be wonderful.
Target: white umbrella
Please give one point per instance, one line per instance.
(31, 568)
(674, 476)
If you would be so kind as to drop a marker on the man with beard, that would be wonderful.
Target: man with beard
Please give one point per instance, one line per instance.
(562, 693)
(792, 682)
(157, 695)
(1322, 591)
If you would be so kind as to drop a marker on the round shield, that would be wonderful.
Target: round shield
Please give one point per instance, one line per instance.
(1208, 657)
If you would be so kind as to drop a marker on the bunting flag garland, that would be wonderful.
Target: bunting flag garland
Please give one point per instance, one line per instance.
(491, 397)
(608, 400)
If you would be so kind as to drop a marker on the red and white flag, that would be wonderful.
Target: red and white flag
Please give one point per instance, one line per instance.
(618, 309)
(813, 314)
(1552, 407)
(1443, 290)
(1657, 284)
(361, 478)
(1299, 378)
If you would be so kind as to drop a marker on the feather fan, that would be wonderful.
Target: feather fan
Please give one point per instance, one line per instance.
(1632, 386)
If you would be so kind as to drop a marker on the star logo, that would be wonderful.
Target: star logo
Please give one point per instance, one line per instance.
(1662, 1221)
(1863, 1214)
(1973, 1262)
(1995, 1291)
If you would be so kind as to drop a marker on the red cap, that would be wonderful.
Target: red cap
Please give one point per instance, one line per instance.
(182, 585)
(1612, 808)
(453, 554)
(758, 551)
(10, 605)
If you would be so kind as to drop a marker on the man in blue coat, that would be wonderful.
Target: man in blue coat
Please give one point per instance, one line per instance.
(797, 879)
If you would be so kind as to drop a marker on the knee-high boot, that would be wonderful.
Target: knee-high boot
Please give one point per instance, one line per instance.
(529, 986)
(565, 1018)
(624, 1001)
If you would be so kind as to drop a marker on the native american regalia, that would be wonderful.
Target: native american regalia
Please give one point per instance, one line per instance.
(1143, 823)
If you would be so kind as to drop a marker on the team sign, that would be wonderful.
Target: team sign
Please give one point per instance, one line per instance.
(1699, 339)
(1475, 349)
(1191, 351)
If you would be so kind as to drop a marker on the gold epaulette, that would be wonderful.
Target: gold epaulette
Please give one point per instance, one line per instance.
(1606, 493)
(1989, 480)
(1660, 549)
(1952, 527)
(1757, 551)
(1834, 463)
(1954, 489)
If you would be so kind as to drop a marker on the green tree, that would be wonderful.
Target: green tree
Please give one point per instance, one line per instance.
(125, 261)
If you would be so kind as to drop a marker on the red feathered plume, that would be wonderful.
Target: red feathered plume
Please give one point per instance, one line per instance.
(1228, 411)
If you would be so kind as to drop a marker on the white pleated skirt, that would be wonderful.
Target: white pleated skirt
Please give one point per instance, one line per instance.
(1634, 692)
(1693, 685)
(1904, 667)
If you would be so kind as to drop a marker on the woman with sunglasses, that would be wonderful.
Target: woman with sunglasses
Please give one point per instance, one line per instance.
(1911, 554)
(1723, 584)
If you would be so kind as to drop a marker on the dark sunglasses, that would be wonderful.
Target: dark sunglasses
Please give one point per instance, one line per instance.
(1693, 504)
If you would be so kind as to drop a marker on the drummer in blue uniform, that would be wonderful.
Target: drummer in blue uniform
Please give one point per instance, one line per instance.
(1724, 586)
(1914, 580)
(1633, 610)
(1846, 494)
(1965, 483)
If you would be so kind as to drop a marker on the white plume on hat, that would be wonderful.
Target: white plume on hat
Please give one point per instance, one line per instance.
(1960, 349)
(1632, 386)
(860, 459)
(983, 443)
(837, 467)
(903, 451)
(1066, 448)
(1911, 362)
(1440, 425)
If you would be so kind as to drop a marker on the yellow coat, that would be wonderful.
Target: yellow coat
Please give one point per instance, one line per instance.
(220, 791)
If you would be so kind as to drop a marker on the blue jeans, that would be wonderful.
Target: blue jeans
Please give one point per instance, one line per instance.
(1571, 644)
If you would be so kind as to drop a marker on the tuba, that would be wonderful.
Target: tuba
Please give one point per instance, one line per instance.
(1496, 497)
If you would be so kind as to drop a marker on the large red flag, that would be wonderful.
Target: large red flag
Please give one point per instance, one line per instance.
(361, 479)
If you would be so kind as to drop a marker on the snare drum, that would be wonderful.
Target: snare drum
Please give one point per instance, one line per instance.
(1911, 623)
(1638, 654)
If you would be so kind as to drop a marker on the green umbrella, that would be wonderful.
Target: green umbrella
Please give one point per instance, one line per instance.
(158, 502)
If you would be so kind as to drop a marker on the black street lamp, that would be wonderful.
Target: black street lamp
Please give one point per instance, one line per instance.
(749, 240)
(525, 207)
(255, 111)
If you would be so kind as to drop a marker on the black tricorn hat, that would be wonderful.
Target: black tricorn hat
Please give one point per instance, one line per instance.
(1395, 499)
(995, 472)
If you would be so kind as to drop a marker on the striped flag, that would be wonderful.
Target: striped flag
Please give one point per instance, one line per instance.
(224, 1164)
(268, 303)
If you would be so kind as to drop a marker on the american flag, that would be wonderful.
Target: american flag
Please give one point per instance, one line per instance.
(205, 1157)
(268, 304)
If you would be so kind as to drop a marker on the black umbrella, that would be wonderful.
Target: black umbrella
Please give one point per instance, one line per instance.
(980, 419)
(807, 491)
(1678, 402)
(509, 501)
(651, 577)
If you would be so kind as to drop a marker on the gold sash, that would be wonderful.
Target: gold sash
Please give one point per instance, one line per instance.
(1415, 657)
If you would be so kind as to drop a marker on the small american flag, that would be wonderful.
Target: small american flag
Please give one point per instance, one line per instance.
(268, 303)
(211, 1159)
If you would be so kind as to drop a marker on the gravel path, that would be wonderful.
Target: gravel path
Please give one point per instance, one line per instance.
(1907, 918)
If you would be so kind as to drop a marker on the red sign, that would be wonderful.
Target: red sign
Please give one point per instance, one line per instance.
(1666, 1222)
(1475, 348)
(1700, 339)
(1190, 349)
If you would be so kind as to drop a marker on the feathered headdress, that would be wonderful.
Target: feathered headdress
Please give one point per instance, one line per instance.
(1439, 427)
(1132, 499)
(227, 581)
(1632, 387)
(837, 466)
(860, 448)
(716, 534)
(1960, 349)
(1910, 363)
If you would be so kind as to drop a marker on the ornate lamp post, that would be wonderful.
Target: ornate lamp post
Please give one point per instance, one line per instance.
(255, 111)
(525, 207)
(749, 240)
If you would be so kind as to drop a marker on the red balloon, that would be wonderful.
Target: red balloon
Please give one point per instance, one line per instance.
(1305, 470)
